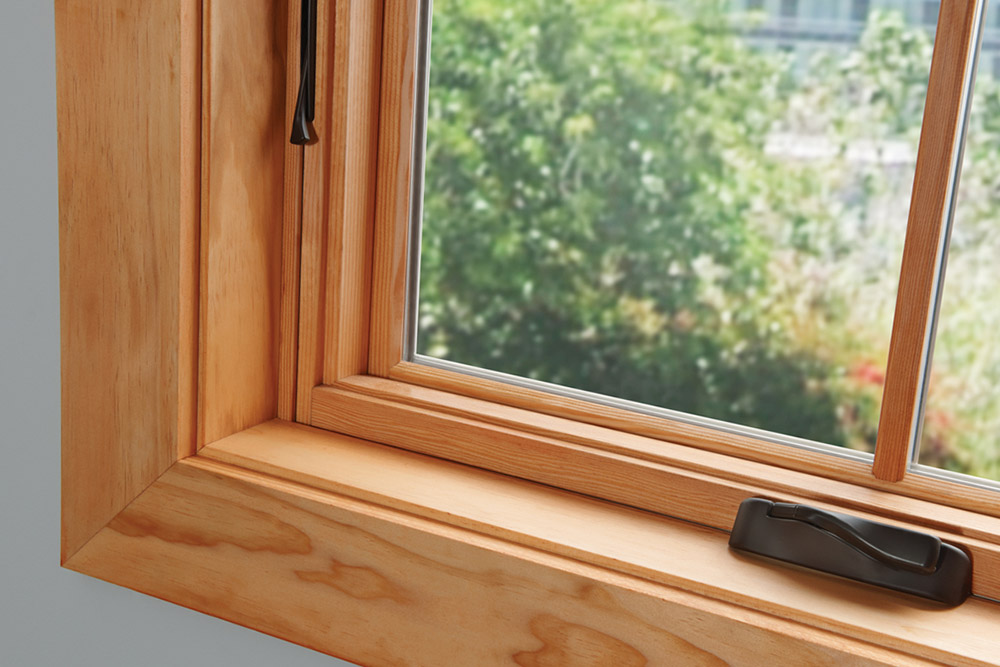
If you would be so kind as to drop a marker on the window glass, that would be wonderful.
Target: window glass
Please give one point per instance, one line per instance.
(691, 206)
(961, 418)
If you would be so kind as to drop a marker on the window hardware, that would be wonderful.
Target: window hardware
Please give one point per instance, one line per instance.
(848, 546)
(303, 131)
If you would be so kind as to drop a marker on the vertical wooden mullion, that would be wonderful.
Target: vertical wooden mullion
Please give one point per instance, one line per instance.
(935, 180)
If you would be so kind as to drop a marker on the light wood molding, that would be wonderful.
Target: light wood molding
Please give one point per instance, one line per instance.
(128, 103)
(348, 573)
(697, 485)
(243, 142)
(590, 413)
(392, 211)
(576, 415)
(593, 532)
(356, 72)
(338, 191)
(939, 143)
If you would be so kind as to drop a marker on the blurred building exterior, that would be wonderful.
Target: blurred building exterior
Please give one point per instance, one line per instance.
(806, 26)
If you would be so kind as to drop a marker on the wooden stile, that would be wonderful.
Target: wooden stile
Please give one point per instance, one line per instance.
(392, 210)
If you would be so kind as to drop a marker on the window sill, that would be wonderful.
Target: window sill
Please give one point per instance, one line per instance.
(705, 487)
(366, 552)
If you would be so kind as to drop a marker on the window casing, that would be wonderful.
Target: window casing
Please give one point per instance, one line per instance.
(195, 528)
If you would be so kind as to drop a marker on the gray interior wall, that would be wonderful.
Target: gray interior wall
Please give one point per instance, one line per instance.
(50, 616)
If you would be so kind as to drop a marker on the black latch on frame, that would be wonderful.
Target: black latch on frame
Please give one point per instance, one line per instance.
(874, 553)
(303, 132)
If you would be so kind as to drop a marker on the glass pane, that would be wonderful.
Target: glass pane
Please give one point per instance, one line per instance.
(696, 206)
(961, 427)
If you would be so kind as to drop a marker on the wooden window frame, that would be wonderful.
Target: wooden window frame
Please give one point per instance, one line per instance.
(935, 179)
(195, 326)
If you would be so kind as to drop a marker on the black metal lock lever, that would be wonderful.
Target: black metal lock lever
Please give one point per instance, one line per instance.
(874, 553)
(303, 131)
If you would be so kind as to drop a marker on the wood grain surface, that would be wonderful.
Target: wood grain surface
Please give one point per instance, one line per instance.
(127, 92)
(316, 181)
(659, 435)
(695, 485)
(392, 208)
(243, 143)
(378, 586)
(590, 413)
(599, 533)
(354, 137)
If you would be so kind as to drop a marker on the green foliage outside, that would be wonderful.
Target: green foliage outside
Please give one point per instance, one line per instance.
(602, 210)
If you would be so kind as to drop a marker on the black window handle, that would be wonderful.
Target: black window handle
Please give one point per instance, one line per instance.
(303, 131)
(850, 546)
(832, 524)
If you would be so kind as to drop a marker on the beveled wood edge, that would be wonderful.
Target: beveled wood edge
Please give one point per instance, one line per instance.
(672, 480)
(227, 540)
(627, 423)
(119, 380)
(911, 333)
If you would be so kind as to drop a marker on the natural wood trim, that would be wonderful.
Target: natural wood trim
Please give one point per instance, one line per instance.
(521, 572)
(243, 191)
(583, 413)
(666, 478)
(354, 135)
(127, 87)
(392, 211)
(316, 180)
(389, 275)
(911, 333)
(365, 560)
(291, 239)
(586, 412)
